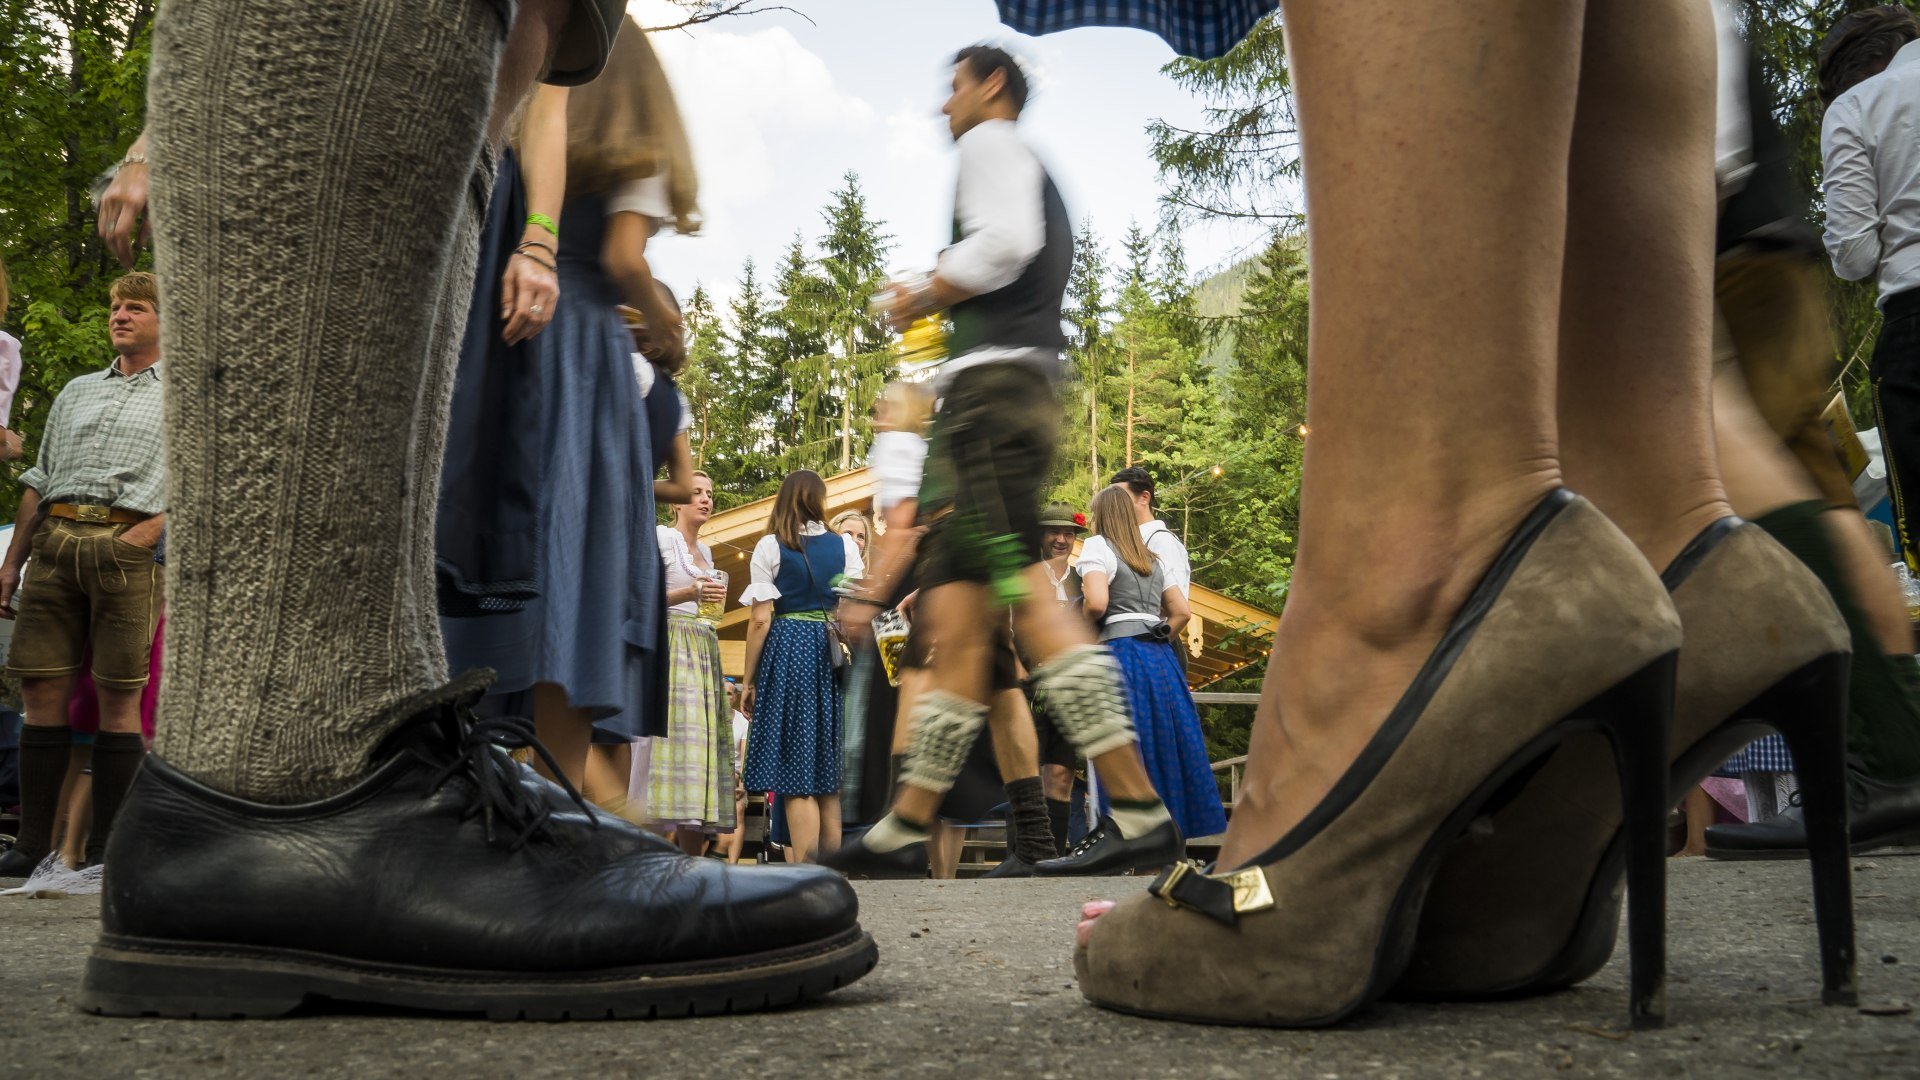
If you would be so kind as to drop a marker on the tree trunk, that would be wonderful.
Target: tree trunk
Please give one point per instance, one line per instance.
(1130, 389)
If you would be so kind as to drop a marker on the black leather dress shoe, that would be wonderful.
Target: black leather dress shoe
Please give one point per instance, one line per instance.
(1013, 866)
(1104, 851)
(451, 879)
(13, 864)
(1882, 815)
(856, 860)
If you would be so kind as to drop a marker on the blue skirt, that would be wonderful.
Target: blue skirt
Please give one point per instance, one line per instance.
(596, 625)
(1168, 727)
(793, 746)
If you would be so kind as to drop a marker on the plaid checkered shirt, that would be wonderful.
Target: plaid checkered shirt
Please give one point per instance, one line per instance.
(1203, 29)
(102, 445)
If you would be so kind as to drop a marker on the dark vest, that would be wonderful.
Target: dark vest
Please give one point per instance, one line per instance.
(1025, 314)
(826, 556)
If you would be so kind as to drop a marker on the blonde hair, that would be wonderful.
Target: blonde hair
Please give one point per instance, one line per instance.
(1113, 519)
(138, 285)
(912, 405)
(625, 126)
(845, 516)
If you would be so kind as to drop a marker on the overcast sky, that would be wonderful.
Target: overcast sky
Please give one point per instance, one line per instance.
(778, 107)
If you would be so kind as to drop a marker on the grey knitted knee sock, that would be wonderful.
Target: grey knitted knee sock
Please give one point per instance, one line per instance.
(944, 728)
(1085, 699)
(312, 185)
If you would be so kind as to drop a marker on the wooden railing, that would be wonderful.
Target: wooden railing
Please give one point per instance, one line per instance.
(1233, 767)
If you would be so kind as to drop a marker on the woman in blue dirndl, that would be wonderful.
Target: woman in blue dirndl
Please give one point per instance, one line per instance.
(1141, 614)
(792, 691)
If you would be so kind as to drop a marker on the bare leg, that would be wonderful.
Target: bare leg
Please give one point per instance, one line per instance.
(565, 731)
(829, 824)
(1447, 306)
(76, 808)
(1016, 748)
(803, 827)
(943, 851)
(1636, 426)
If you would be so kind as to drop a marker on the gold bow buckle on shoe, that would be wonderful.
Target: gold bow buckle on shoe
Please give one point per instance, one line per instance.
(1220, 897)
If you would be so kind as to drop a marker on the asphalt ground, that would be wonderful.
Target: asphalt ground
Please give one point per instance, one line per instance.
(976, 979)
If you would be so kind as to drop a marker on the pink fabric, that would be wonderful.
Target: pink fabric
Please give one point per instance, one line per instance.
(1729, 797)
(9, 376)
(83, 711)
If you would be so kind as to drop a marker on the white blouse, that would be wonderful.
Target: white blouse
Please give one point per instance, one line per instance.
(647, 196)
(682, 570)
(1098, 557)
(643, 370)
(898, 459)
(765, 564)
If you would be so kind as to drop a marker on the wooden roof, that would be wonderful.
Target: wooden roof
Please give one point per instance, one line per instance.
(1224, 636)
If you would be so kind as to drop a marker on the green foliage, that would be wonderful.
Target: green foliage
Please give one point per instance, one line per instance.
(72, 97)
(1245, 156)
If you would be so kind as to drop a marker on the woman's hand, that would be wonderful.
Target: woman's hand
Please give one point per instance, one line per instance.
(746, 700)
(711, 591)
(528, 293)
(668, 350)
(123, 205)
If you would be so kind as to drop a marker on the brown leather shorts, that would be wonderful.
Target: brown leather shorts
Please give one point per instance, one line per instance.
(85, 587)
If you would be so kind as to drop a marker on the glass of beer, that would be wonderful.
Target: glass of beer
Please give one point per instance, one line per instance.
(711, 610)
(890, 634)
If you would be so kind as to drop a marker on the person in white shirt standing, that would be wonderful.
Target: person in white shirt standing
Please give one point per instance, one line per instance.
(1160, 540)
(1870, 147)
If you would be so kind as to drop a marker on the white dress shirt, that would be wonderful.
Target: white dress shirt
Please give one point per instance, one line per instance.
(1172, 554)
(1000, 207)
(898, 460)
(764, 566)
(1870, 142)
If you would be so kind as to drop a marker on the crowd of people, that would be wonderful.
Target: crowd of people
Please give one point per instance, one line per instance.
(424, 614)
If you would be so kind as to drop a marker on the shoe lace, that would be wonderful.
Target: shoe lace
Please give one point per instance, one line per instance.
(500, 799)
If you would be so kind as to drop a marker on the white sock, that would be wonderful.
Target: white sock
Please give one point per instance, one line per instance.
(893, 832)
(1135, 819)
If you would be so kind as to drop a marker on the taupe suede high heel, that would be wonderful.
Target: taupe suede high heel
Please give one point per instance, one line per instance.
(1529, 900)
(1568, 632)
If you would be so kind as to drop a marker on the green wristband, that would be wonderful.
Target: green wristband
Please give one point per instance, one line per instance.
(544, 222)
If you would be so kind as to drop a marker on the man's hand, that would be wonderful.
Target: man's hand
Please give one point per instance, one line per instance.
(528, 293)
(146, 533)
(9, 584)
(11, 445)
(856, 620)
(903, 302)
(123, 206)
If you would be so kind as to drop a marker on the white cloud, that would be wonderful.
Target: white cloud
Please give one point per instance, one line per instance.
(917, 134)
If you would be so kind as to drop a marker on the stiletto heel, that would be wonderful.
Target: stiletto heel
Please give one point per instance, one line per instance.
(1529, 900)
(1638, 715)
(1809, 710)
(1569, 636)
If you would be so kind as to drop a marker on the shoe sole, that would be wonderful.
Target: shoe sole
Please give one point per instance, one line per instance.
(1864, 847)
(136, 977)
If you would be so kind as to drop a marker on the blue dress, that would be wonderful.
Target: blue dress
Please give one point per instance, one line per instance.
(793, 747)
(596, 626)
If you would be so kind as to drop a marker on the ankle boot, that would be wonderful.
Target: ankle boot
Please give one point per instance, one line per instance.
(1529, 899)
(1569, 631)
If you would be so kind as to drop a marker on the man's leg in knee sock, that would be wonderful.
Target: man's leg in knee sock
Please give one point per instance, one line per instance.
(307, 228)
(117, 752)
(1016, 751)
(44, 749)
(1079, 684)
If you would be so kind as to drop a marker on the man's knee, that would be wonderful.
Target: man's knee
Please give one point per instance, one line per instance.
(46, 700)
(120, 708)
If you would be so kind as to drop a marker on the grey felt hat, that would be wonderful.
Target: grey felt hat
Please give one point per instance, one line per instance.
(585, 41)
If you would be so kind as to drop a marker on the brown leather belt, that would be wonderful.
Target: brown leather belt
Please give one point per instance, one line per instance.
(96, 515)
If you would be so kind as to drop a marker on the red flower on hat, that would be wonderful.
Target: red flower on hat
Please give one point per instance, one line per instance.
(1080, 519)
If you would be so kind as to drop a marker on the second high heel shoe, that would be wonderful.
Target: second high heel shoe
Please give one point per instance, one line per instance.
(1529, 899)
(1568, 632)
